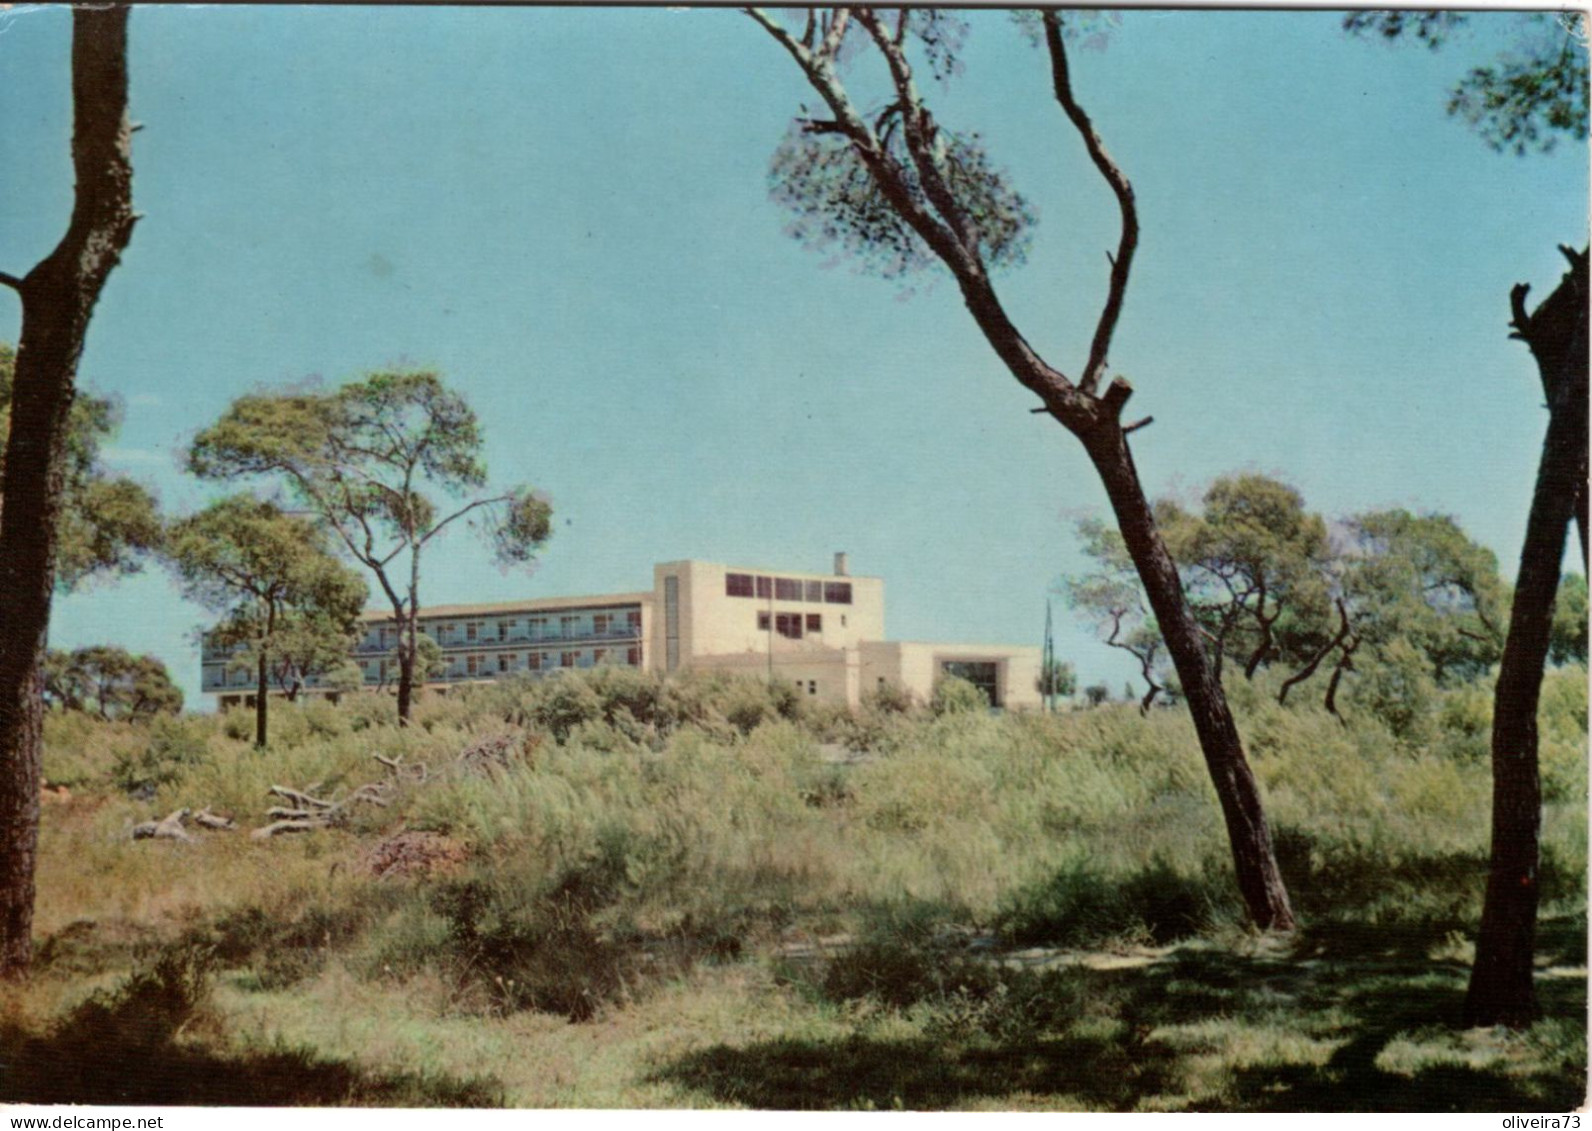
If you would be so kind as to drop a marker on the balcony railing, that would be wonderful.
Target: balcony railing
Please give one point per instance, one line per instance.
(614, 632)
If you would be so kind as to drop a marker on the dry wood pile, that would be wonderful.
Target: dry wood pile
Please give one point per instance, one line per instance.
(302, 810)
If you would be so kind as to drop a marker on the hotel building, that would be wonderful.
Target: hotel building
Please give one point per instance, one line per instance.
(822, 632)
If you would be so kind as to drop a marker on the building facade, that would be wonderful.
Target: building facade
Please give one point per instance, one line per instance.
(822, 632)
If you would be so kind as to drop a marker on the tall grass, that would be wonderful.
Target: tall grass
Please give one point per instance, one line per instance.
(642, 830)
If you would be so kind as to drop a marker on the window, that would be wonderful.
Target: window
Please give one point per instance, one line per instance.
(837, 592)
(567, 626)
(787, 589)
(504, 626)
(763, 622)
(600, 622)
(599, 656)
(789, 625)
(506, 660)
(633, 618)
(737, 585)
(765, 587)
(567, 659)
(471, 630)
(815, 592)
(538, 627)
(812, 687)
(472, 664)
(815, 622)
(633, 657)
(534, 661)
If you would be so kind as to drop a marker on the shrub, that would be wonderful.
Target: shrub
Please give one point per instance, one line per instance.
(1079, 906)
(542, 953)
(889, 698)
(954, 696)
(174, 745)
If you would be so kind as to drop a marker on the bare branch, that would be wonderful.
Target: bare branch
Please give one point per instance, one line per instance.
(1094, 371)
(1116, 395)
(11, 281)
(798, 52)
(460, 513)
(822, 126)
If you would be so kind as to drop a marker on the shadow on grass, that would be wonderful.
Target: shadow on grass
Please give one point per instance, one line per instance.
(1204, 1029)
(141, 1044)
(917, 1075)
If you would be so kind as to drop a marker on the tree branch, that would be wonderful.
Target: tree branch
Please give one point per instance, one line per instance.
(1122, 263)
(460, 513)
(11, 281)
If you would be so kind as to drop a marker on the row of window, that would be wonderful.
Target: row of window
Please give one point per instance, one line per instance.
(787, 589)
(504, 662)
(790, 624)
(536, 628)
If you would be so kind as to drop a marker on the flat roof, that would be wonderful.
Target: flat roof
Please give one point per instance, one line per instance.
(531, 605)
(806, 575)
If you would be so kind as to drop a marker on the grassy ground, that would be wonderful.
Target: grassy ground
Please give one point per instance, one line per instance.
(673, 895)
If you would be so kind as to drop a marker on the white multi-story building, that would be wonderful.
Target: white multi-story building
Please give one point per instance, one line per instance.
(822, 632)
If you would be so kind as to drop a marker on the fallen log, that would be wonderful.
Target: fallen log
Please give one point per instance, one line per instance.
(169, 827)
(289, 826)
(301, 799)
(210, 820)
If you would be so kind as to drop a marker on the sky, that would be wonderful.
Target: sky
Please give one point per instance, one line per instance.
(566, 213)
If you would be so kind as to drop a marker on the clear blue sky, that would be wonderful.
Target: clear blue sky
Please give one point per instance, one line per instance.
(566, 212)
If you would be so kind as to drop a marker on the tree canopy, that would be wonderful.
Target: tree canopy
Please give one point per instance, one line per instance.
(1405, 601)
(1528, 97)
(288, 607)
(110, 682)
(109, 523)
(387, 464)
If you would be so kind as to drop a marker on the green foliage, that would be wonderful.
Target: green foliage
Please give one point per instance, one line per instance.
(1525, 100)
(1389, 593)
(109, 682)
(663, 872)
(108, 523)
(1080, 906)
(174, 748)
(888, 698)
(1567, 642)
(139, 1043)
(271, 576)
(1422, 580)
(539, 950)
(836, 205)
(1254, 565)
(1397, 688)
(955, 696)
(1059, 677)
(386, 464)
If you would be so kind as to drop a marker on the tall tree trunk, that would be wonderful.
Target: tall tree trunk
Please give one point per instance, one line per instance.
(407, 652)
(262, 681)
(1254, 861)
(1501, 987)
(262, 686)
(58, 297)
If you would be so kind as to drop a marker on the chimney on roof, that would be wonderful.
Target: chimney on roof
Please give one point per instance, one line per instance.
(842, 568)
